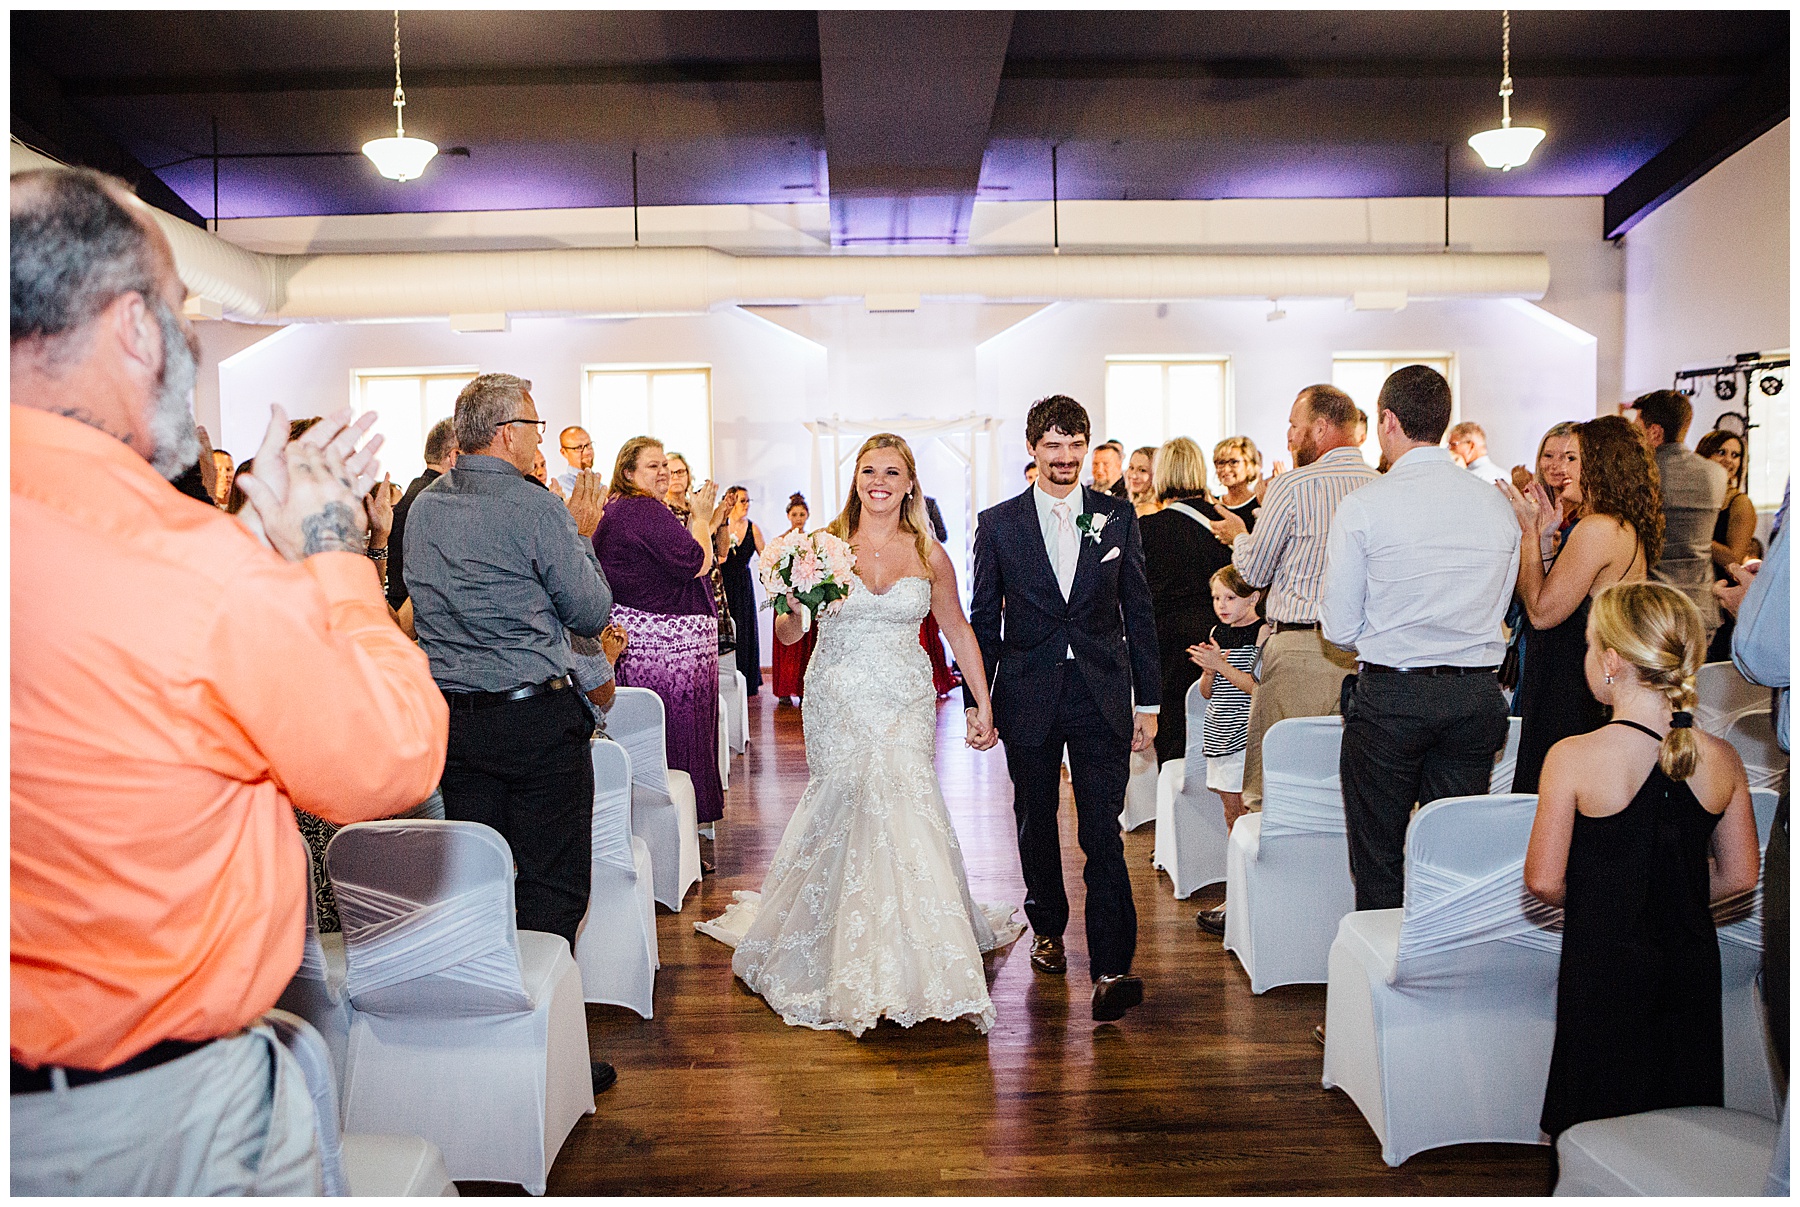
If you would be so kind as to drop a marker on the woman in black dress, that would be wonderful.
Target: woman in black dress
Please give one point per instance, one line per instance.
(1180, 556)
(1617, 537)
(1239, 466)
(735, 545)
(1641, 825)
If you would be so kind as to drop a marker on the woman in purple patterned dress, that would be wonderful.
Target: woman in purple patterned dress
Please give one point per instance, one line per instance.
(659, 570)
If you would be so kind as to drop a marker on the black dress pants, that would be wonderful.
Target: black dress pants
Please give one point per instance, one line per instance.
(523, 768)
(1410, 739)
(1099, 767)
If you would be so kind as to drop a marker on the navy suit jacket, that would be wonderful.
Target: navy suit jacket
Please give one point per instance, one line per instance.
(1025, 627)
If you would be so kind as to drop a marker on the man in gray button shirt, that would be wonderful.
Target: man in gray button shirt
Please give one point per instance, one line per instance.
(1693, 492)
(499, 573)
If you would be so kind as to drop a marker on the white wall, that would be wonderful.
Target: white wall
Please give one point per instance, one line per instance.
(1706, 275)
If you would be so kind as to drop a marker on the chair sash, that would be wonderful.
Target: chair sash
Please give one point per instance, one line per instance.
(1446, 910)
(1292, 805)
(612, 826)
(390, 940)
(649, 755)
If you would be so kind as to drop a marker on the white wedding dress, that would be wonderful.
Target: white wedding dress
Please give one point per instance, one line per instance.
(865, 912)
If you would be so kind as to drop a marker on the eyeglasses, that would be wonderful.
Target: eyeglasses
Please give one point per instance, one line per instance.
(539, 424)
(576, 448)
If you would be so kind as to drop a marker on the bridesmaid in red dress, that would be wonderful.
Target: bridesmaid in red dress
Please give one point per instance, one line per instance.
(790, 660)
(943, 679)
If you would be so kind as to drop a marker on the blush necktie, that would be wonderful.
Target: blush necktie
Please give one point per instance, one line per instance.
(1068, 548)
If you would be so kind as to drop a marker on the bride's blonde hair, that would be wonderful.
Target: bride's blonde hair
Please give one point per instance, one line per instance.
(912, 507)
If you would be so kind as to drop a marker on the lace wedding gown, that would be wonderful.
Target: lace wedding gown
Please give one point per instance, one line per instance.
(865, 911)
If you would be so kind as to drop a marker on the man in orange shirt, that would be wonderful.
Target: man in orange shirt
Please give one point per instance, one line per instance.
(181, 678)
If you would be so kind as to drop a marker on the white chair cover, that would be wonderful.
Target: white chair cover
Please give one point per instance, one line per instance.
(1689, 1151)
(1753, 734)
(1140, 791)
(662, 801)
(362, 1166)
(1190, 817)
(1440, 1017)
(1723, 693)
(734, 703)
(1287, 869)
(616, 946)
(1750, 1077)
(466, 1031)
(1507, 760)
(316, 993)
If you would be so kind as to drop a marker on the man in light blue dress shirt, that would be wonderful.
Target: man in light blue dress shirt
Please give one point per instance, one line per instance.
(1419, 567)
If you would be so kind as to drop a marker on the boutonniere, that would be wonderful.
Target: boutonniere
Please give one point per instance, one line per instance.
(1089, 524)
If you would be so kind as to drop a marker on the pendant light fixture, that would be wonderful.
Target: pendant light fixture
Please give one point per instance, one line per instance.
(1509, 146)
(399, 157)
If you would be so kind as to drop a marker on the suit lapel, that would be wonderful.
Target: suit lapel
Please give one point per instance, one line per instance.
(1089, 552)
(1037, 557)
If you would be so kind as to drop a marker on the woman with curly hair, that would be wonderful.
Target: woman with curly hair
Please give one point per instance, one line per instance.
(1616, 539)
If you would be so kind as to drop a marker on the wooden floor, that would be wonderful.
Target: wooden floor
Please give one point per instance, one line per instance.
(1202, 1090)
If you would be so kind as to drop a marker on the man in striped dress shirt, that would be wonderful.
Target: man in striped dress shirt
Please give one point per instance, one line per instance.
(1286, 554)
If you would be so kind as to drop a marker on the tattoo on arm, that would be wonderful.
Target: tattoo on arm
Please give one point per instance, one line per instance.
(332, 529)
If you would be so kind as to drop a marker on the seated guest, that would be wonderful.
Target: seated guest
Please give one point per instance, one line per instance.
(180, 681)
(1181, 554)
(1641, 825)
(1138, 485)
(1468, 445)
(499, 572)
(790, 660)
(662, 595)
(1616, 540)
(1692, 491)
(1239, 466)
(1734, 531)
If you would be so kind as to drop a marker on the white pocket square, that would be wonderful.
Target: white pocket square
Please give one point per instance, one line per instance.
(1110, 554)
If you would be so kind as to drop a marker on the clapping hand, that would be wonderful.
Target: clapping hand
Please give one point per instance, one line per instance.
(1522, 477)
(613, 640)
(379, 503)
(1731, 598)
(1228, 527)
(586, 502)
(306, 496)
(1538, 514)
(707, 502)
(1208, 656)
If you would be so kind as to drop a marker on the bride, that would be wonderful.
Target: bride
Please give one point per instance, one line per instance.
(865, 912)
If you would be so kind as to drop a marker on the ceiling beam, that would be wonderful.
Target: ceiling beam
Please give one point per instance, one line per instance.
(791, 72)
(1755, 110)
(43, 119)
(909, 98)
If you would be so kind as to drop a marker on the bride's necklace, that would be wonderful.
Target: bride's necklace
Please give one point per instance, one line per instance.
(876, 554)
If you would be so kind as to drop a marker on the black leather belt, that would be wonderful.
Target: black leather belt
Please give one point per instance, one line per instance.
(1296, 626)
(37, 1081)
(470, 701)
(1375, 668)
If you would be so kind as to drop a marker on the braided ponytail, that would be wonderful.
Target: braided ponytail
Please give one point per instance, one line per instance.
(1658, 631)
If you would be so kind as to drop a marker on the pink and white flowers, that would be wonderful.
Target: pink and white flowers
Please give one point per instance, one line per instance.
(815, 568)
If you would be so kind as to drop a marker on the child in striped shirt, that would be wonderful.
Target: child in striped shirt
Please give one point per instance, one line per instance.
(1229, 660)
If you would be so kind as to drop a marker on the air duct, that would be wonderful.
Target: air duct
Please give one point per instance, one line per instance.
(254, 287)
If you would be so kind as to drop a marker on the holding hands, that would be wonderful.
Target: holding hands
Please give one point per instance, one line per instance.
(981, 734)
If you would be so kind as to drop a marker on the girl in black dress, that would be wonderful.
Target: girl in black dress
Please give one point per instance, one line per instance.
(1618, 536)
(736, 544)
(1734, 529)
(1180, 556)
(1641, 825)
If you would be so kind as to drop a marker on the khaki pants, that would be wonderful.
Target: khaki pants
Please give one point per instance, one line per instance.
(233, 1118)
(1301, 676)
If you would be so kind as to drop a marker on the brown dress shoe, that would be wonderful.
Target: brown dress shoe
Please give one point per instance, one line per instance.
(1047, 955)
(1211, 920)
(1114, 995)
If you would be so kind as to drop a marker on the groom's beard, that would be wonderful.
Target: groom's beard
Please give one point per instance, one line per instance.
(1059, 474)
(174, 442)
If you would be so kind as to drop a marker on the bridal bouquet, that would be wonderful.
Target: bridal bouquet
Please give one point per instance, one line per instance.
(815, 568)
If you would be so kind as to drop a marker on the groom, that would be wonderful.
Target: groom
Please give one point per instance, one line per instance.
(1062, 611)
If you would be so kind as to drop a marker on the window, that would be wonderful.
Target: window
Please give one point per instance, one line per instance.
(671, 402)
(1150, 399)
(407, 402)
(1360, 374)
